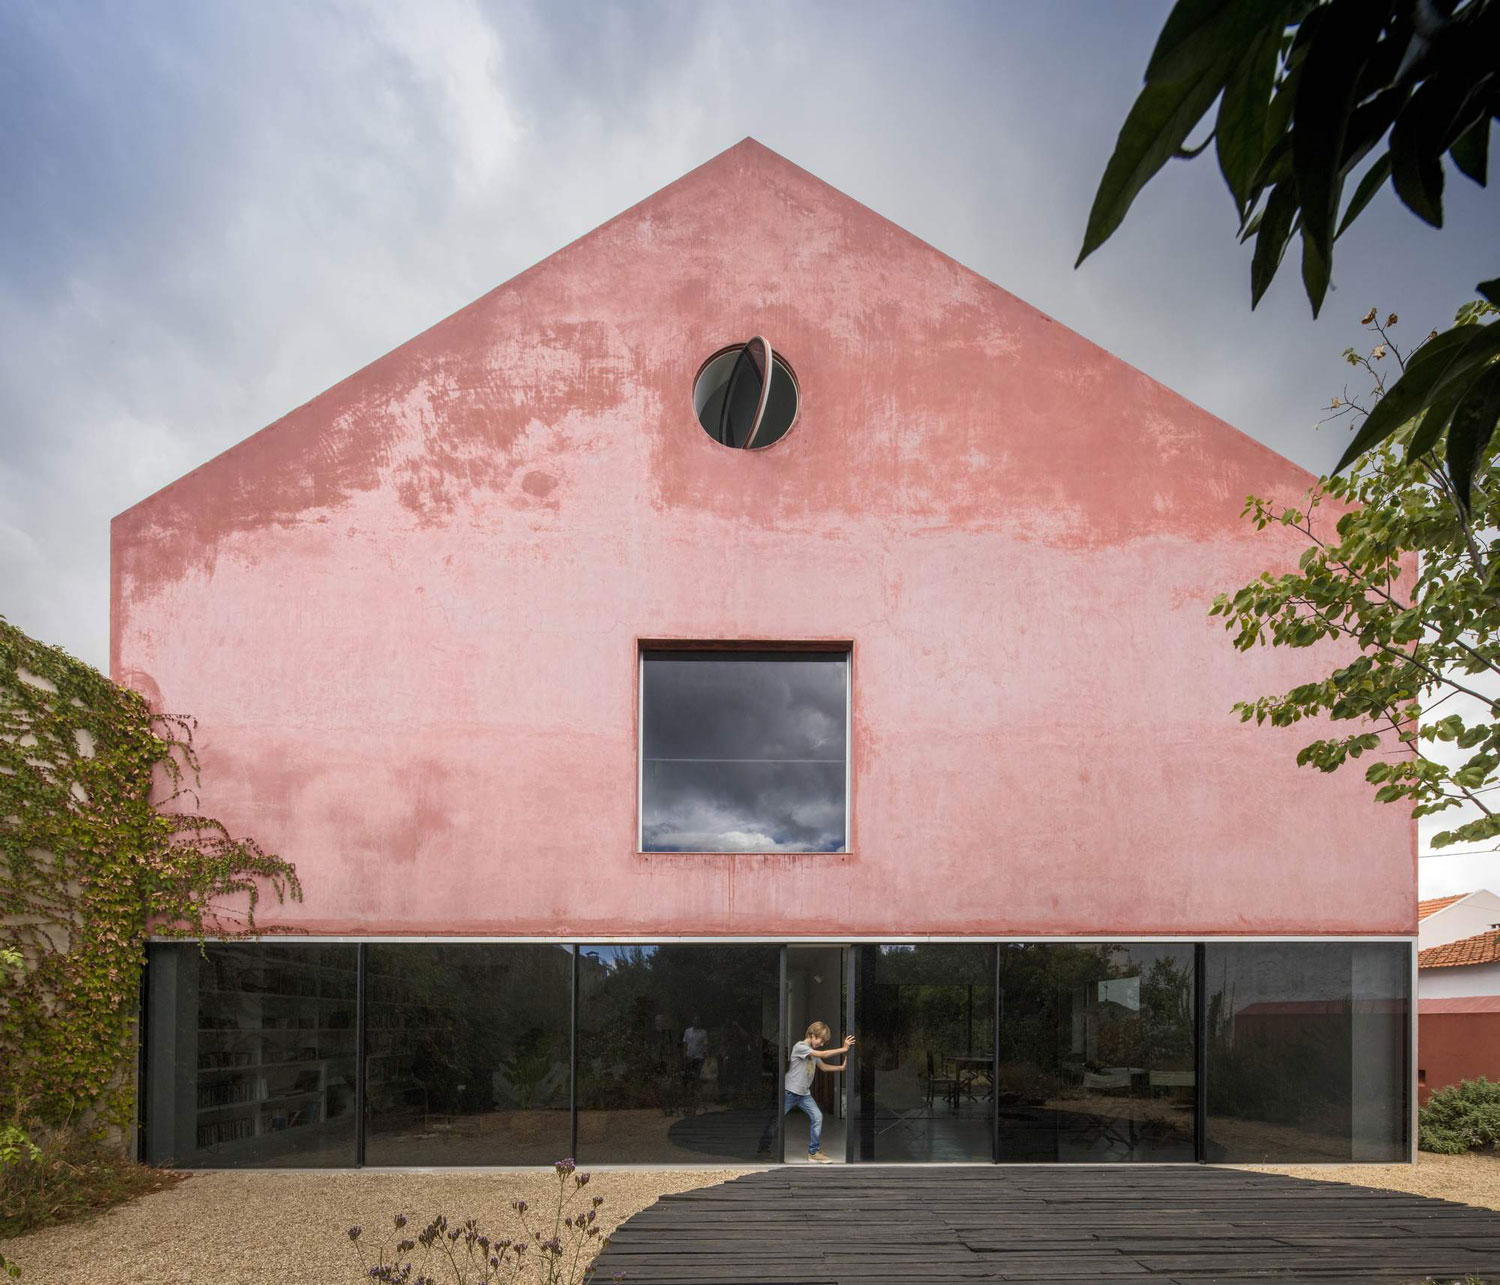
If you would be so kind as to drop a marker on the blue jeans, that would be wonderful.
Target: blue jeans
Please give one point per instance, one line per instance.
(797, 1102)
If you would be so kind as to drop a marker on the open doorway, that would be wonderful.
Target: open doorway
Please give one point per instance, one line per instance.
(815, 992)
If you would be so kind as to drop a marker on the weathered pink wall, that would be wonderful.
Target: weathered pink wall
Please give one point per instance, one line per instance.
(406, 614)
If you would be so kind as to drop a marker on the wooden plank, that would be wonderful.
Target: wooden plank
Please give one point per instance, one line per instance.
(1176, 1225)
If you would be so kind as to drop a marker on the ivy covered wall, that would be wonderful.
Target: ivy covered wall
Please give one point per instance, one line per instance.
(99, 846)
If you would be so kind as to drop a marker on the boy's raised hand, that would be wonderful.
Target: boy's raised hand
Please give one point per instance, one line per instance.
(848, 1041)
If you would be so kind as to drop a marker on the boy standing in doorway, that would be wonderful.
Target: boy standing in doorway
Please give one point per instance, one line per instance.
(807, 1058)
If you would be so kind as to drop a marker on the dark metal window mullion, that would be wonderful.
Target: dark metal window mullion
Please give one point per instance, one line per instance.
(1200, 1052)
(361, 1024)
(995, 1061)
(573, 1059)
(784, 1052)
(141, 1063)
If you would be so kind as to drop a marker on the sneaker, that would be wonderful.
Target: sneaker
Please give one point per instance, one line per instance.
(818, 1158)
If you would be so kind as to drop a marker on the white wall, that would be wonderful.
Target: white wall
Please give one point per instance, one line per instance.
(1476, 913)
(1453, 983)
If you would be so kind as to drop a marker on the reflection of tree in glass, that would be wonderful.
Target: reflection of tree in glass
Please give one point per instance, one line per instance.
(635, 1005)
(527, 1067)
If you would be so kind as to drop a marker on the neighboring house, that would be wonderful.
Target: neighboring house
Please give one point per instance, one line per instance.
(1465, 914)
(1458, 982)
(586, 728)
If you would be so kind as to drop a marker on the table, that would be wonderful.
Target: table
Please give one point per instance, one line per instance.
(968, 1070)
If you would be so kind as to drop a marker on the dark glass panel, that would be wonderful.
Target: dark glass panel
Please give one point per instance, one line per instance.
(250, 1055)
(467, 1054)
(743, 751)
(712, 391)
(676, 1052)
(743, 395)
(1096, 1053)
(1307, 1049)
(925, 1026)
(781, 406)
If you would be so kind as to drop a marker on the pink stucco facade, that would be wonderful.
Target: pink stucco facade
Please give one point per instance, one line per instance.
(406, 616)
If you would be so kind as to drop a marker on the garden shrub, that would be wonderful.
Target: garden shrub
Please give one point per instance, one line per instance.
(70, 1175)
(557, 1246)
(1461, 1117)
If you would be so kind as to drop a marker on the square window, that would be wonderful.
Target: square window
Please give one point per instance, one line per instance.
(744, 751)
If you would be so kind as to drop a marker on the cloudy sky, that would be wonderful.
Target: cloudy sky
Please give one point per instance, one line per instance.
(211, 212)
(743, 754)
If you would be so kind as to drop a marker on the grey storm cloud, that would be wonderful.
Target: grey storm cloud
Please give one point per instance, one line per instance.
(211, 213)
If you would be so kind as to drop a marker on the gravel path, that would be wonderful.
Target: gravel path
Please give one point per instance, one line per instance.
(1470, 1180)
(247, 1228)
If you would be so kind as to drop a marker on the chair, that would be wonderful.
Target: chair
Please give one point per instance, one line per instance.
(910, 1118)
(932, 1082)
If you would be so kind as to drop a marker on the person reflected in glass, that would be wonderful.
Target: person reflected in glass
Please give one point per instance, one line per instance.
(807, 1058)
(694, 1054)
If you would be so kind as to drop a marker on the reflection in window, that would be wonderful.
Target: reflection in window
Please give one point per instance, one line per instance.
(676, 1052)
(925, 1022)
(743, 751)
(1096, 1053)
(1307, 1049)
(467, 1054)
(251, 1055)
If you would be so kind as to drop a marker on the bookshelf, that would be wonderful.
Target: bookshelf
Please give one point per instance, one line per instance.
(274, 1048)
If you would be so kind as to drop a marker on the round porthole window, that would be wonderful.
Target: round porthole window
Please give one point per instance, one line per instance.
(746, 396)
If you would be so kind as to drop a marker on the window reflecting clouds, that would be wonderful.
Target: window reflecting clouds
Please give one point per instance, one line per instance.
(744, 751)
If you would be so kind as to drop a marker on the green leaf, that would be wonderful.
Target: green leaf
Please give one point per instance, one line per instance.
(1320, 116)
(1198, 33)
(1315, 272)
(1271, 238)
(1470, 151)
(1435, 418)
(1448, 356)
(1435, 116)
(1473, 425)
(1240, 131)
(1162, 117)
(1372, 182)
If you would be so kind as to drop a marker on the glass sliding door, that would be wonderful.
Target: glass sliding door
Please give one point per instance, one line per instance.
(815, 993)
(1307, 1051)
(677, 1053)
(925, 1024)
(1096, 1053)
(467, 1054)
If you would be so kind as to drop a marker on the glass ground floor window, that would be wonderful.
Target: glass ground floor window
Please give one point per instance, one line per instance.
(677, 1049)
(303, 1054)
(1096, 1058)
(1307, 1051)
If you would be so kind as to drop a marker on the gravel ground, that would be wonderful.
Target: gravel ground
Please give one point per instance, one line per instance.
(244, 1227)
(247, 1228)
(1470, 1179)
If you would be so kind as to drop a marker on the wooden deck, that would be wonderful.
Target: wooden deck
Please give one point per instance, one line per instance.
(876, 1225)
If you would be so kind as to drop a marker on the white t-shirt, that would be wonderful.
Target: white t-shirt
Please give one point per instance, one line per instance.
(695, 1043)
(799, 1076)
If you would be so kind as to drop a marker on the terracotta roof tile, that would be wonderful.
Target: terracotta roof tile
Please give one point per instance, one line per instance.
(1433, 904)
(1482, 948)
